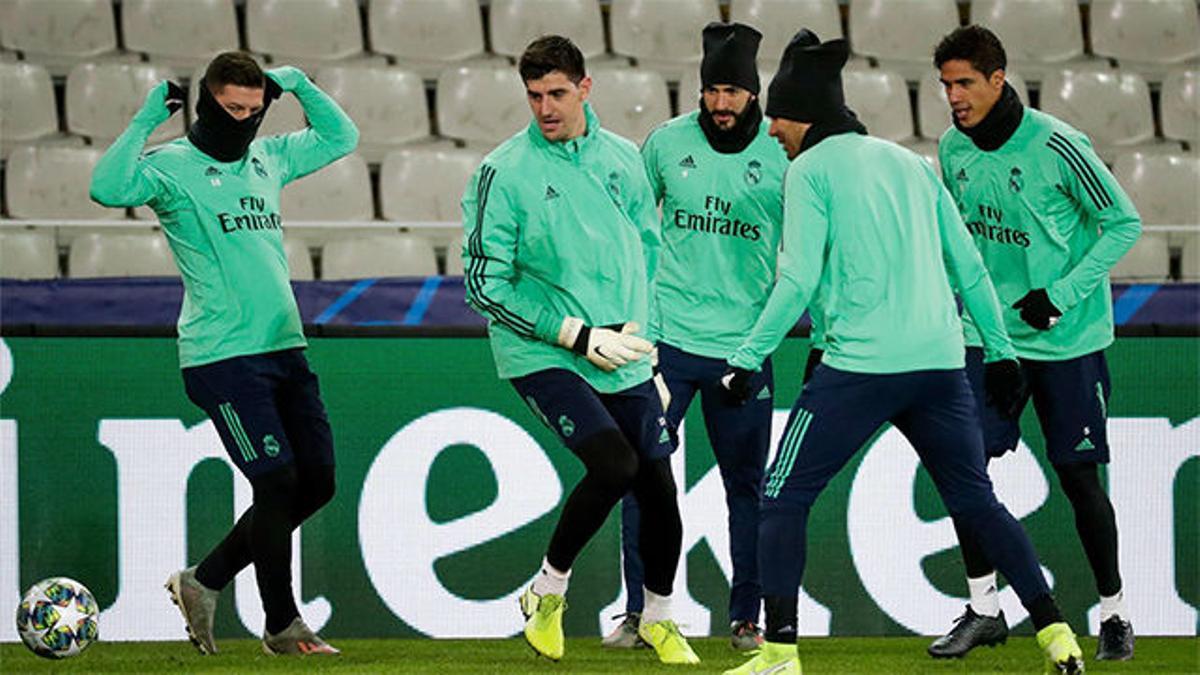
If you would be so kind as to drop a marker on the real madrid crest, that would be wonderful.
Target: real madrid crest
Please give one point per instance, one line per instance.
(753, 173)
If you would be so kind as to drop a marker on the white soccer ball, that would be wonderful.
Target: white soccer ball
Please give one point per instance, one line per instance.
(57, 618)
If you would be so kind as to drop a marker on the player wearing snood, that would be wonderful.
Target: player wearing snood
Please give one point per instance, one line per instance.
(1050, 221)
(719, 178)
(216, 194)
(869, 222)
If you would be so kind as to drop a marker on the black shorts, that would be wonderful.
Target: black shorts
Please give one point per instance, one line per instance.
(267, 409)
(575, 411)
(1071, 401)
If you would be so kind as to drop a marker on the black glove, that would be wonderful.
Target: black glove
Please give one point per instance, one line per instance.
(1005, 387)
(174, 98)
(814, 360)
(736, 383)
(1037, 310)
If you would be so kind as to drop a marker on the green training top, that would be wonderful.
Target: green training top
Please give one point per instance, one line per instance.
(722, 213)
(870, 224)
(222, 222)
(1045, 213)
(555, 230)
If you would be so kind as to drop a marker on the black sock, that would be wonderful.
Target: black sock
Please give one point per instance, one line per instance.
(782, 622)
(611, 465)
(974, 559)
(661, 536)
(271, 544)
(1043, 611)
(232, 555)
(1095, 522)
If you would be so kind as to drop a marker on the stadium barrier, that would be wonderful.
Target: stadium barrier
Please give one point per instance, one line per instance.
(448, 489)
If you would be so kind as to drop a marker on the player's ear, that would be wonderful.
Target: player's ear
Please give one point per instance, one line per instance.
(996, 79)
(585, 87)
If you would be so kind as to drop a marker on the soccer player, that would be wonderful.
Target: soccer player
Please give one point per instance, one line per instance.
(719, 177)
(560, 244)
(869, 223)
(241, 347)
(1050, 221)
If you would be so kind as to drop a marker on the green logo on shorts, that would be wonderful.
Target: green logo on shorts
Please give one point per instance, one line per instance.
(567, 426)
(270, 445)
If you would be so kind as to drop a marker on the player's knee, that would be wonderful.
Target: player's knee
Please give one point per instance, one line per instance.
(610, 460)
(1080, 481)
(280, 486)
(319, 486)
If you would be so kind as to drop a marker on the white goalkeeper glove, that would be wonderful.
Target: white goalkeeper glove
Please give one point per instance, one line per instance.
(605, 348)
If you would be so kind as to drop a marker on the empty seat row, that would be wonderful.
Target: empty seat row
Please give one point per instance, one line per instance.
(427, 34)
(483, 104)
(33, 254)
(424, 183)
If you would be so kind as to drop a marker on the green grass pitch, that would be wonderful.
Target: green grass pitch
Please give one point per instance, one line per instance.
(584, 655)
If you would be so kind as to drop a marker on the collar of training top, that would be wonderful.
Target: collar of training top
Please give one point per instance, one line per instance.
(573, 146)
(999, 124)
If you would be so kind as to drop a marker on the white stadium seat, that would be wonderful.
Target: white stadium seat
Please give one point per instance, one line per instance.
(1149, 260)
(27, 108)
(59, 34)
(426, 35)
(880, 99)
(387, 105)
(27, 254)
(1111, 107)
(426, 183)
(284, 116)
(901, 34)
(1146, 35)
(390, 255)
(1181, 107)
(481, 104)
(299, 259)
(121, 255)
(454, 261)
(933, 109)
(779, 20)
(294, 31)
(103, 97)
(515, 23)
(1038, 35)
(52, 182)
(182, 35)
(1162, 187)
(630, 102)
(338, 192)
(663, 35)
(1190, 262)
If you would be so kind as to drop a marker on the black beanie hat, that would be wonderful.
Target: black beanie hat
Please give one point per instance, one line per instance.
(730, 50)
(808, 85)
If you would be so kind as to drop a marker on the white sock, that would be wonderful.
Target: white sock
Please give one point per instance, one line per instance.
(985, 599)
(658, 607)
(1114, 605)
(550, 581)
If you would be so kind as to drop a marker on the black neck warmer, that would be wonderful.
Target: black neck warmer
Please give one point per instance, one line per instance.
(845, 123)
(733, 141)
(217, 134)
(999, 124)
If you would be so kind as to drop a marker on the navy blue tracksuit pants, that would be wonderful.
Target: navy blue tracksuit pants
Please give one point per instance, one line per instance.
(836, 413)
(740, 437)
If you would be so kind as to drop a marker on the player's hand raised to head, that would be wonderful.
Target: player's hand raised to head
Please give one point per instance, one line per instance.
(163, 101)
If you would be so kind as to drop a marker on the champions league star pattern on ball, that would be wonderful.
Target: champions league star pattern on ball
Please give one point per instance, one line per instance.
(57, 618)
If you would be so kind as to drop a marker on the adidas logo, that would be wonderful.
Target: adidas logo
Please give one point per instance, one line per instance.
(212, 171)
(688, 162)
(551, 193)
(962, 175)
(664, 437)
(1085, 444)
(764, 394)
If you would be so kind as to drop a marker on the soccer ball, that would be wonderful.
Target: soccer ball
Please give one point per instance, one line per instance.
(57, 618)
